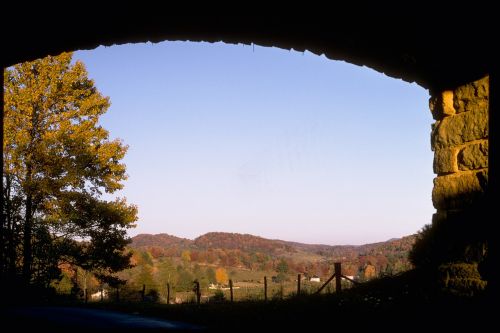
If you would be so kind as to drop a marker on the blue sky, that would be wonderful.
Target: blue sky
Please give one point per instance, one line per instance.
(276, 143)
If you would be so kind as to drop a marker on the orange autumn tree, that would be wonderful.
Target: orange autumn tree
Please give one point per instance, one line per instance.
(221, 275)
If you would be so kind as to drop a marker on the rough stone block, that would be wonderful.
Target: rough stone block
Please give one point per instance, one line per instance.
(441, 105)
(472, 96)
(459, 129)
(458, 191)
(482, 87)
(439, 217)
(445, 161)
(473, 156)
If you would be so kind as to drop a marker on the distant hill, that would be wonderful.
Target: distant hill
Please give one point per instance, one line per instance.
(273, 247)
(243, 242)
(254, 256)
(159, 240)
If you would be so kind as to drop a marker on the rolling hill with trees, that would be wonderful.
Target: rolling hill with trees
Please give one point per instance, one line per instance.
(254, 253)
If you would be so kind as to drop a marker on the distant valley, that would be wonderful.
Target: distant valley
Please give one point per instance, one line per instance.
(249, 252)
(165, 266)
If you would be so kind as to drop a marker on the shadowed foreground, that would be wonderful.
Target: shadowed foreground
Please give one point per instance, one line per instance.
(407, 302)
(74, 319)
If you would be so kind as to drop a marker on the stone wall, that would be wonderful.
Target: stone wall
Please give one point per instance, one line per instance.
(459, 140)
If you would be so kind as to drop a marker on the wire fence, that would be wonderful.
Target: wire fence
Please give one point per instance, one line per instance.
(231, 292)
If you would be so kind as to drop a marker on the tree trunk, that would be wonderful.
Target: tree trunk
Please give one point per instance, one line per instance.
(9, 232)
(11, 247)
(3, 223)
(3, 235)
(28, 227)
(3, 229)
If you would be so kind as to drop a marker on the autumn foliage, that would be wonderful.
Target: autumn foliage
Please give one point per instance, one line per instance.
(58, 163)
(259, 254)
(221, 275)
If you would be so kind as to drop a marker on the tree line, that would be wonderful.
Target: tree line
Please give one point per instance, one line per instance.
(387, 258)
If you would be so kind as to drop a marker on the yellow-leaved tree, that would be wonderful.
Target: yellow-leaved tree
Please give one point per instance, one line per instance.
(221, 275)
(58, 162)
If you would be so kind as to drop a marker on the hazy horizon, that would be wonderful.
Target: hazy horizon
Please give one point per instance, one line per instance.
(264, 141)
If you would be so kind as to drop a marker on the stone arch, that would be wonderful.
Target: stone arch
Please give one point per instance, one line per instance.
(458, 80)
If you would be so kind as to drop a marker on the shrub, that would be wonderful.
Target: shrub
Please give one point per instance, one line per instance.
(461, 279)
(452, 239)
(218, 297)
(152, 296)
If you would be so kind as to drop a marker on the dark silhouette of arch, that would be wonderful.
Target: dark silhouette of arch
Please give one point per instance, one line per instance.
(437, 50)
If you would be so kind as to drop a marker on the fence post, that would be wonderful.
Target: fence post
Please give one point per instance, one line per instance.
(265, 288)
(143, 292)
(298, 284)
(85, 295)
(168, 293)
(338, 277)
(231, 289)
(102, 294)
(197, 291)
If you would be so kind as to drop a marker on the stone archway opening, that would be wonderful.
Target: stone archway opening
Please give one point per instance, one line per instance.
(466, 183)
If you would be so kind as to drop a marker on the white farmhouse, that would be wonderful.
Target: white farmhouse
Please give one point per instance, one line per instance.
(315, 278)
